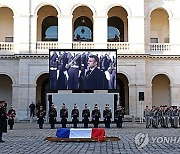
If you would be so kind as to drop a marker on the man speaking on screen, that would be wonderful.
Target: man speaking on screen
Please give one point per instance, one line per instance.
(95, 78)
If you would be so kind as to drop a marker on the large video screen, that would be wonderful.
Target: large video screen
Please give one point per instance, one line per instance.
(86, 69)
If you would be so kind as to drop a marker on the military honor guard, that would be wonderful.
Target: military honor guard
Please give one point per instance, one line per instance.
(147, 116)
(85, 115)
(40, 115)
(119, 114)
(179, 114)
(11, 116)
(107, 115)
(63, 115)
(95, 116)
(175, 119)
(75, 116)
(3, 120)
(52, 116)
(166, 117)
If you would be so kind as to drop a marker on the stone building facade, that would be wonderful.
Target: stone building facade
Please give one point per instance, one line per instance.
(148, 47)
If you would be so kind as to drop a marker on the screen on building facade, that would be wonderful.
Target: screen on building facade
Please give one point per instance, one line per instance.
(86, 69)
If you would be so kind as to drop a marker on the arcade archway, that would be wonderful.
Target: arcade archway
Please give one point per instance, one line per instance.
(6, 89)
(42, 89)
(161, 94)
(123, 89)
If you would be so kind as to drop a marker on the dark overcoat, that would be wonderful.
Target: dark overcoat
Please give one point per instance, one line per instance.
(3, 120)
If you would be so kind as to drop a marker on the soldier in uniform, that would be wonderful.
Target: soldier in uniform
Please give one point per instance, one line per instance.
(171, 117)
(64, 115)
(119, 114)
(40, 115)
(174, 117)
(52, 116)
(85, 115)
(3, 120)
(160, 116)
(107, 115)
(154, 117)
(179, 114)
(166, 117)
(11, 115)
(95, 116)
(147, 116)
(75, 116)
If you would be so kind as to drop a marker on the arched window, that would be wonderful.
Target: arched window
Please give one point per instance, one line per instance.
(83, 29)
(50, 29)
(115, 29)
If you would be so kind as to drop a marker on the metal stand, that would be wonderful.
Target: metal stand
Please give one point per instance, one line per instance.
(141, 110)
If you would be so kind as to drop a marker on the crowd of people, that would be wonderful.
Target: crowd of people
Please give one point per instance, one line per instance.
(95, 116)
(82, 70)
(162, 116)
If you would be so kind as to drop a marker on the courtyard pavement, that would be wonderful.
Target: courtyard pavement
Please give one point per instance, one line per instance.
(26, 138)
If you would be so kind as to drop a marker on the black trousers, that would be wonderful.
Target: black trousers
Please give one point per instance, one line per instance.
(1, 136)
(75, 125)
(40, 126)
(95, 125)
(85, 125)
(52, 125)
(31, 113)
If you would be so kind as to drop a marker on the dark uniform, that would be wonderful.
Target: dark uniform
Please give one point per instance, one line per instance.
(3, 120)
(166, 117)
(53, 71)
(95, 116)
(52, 116)
(85, 115)
(155, 118)
(179, 114)
(119, 114)
(107, 115)
(75, 116)
(32, 109)
(40, 115)
(64, 115)
(175, 118)
(11, 115)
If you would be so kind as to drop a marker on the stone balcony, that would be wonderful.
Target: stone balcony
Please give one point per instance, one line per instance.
(6, 47)
(163, 47)
(43, 47)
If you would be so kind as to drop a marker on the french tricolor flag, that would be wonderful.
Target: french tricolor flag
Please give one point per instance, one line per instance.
(81, 133)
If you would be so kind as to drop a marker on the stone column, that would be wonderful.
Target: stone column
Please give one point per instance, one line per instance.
(23, 106)
(24, 29)
(33, 33)
(16, 34)
(148, 96)
(15, 98)
(174, 33)
(65, 32)
(132, 100)
(147, 33)
(100, 32)
(136, 34)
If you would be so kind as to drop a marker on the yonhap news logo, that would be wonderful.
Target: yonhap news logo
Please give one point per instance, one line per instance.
(142, 139)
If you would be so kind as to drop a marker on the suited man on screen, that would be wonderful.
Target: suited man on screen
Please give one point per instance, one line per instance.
(95, 78)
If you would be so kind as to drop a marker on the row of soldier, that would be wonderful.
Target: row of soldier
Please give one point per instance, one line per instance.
(95, 114)
(163, 116)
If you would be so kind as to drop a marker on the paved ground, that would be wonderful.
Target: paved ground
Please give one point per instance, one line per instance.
(26, 138)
